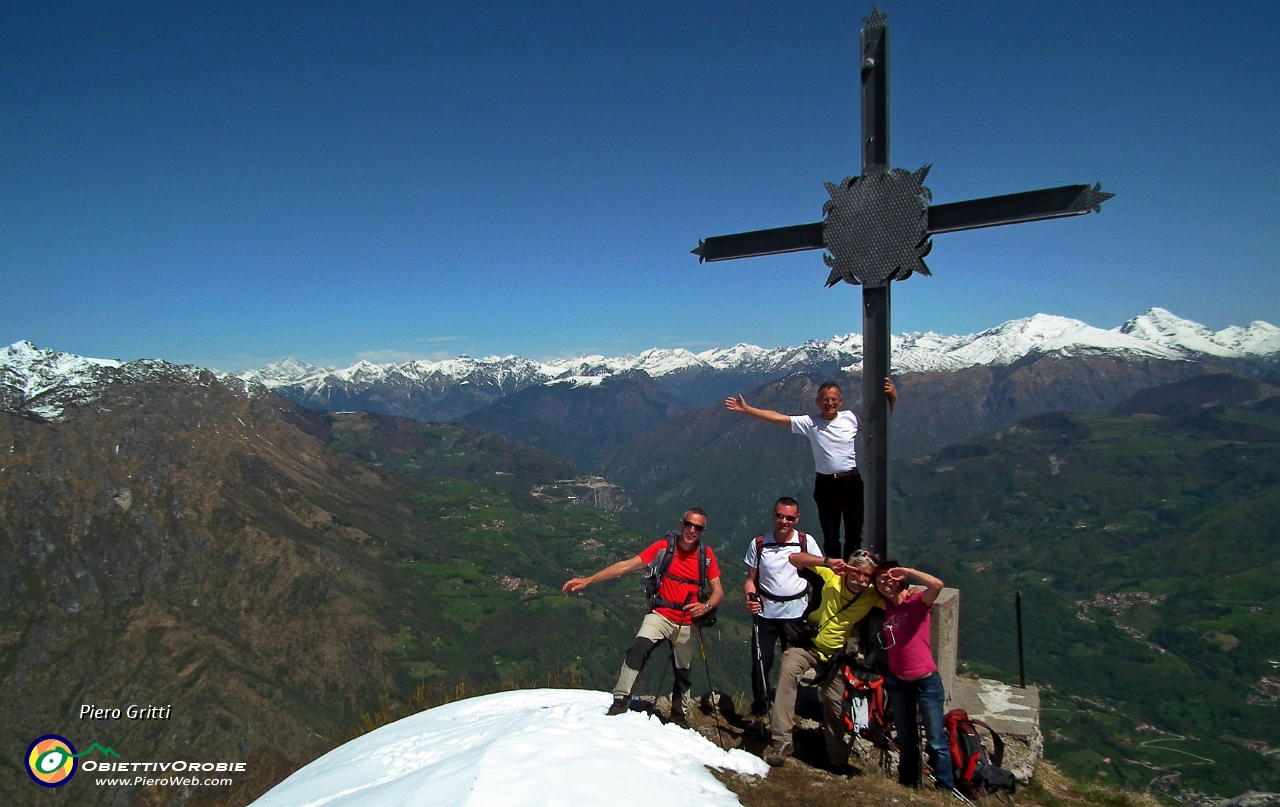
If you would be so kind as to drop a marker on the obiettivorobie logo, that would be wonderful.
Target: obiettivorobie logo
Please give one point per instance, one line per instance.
(51, 760)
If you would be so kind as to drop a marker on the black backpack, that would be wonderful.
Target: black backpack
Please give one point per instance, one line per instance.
(976, 774)
(658, 569)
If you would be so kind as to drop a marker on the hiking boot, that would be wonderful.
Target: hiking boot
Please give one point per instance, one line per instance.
(620, 706)
(778, 753)
(678, 719)
(757, 728)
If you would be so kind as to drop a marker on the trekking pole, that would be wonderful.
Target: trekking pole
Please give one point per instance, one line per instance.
(715, 702)
(755, 645)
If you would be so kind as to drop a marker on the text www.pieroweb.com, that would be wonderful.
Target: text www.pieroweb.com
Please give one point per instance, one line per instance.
(169, 781)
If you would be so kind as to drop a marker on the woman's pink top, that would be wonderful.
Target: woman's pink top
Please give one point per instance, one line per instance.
(906, 631)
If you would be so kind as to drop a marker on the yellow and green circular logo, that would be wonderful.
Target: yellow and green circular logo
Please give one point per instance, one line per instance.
(51, 760)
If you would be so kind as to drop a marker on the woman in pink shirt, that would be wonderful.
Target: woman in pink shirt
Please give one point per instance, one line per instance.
(914, 683)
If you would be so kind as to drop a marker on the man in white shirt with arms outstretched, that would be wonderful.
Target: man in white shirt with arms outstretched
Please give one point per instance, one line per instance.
(838, 486)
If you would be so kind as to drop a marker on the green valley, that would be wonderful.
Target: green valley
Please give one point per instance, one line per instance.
(481, 589)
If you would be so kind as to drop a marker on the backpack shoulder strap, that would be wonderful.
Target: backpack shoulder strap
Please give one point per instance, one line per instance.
(666, 555)
(658, 570)
(997, 758)
(704, 563)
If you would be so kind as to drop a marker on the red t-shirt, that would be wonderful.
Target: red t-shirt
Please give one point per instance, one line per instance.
(684, 564)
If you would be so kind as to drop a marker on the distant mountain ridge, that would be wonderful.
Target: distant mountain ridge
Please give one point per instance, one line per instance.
(1157, 333)
(453, 388)
(44, 384)
(581, 420)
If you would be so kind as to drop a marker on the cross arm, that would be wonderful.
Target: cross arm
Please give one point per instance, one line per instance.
(1015, 208)
(992, 211)
(796, 238)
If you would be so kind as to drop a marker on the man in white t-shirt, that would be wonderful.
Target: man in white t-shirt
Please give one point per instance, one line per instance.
(838, 486)
(776, 595)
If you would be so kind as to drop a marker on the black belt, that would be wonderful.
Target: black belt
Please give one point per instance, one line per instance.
(842, 475)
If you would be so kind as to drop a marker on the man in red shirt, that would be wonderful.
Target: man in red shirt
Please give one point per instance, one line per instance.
(678, 602)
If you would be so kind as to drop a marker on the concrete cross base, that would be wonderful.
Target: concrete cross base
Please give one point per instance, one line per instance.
(1013, 712)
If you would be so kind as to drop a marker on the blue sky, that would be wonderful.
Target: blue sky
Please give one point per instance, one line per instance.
(228, 184)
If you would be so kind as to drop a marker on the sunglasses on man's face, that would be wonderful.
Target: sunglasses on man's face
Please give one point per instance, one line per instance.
(785, 517)
(694, 527)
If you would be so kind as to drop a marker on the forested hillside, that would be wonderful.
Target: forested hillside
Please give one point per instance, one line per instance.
(738, 465)
(1147, 549)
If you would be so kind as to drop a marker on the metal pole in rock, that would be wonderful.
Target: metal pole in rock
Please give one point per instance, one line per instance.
(1022, 668)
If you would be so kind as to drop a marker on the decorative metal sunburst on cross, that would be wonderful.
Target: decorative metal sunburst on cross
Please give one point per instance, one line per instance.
(878, 228)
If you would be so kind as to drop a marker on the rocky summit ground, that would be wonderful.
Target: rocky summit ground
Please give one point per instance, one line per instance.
(805, 778)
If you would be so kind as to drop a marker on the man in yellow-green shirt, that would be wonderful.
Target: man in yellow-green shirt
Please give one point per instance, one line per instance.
(847, 597)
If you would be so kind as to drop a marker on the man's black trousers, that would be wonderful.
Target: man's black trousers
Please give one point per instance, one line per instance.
(787, 632)
(839, 500)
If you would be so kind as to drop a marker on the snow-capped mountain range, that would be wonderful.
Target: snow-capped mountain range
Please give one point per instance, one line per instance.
(45, 382)
(1156, 334)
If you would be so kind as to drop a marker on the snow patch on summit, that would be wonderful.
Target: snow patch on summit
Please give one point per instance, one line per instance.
(527, 747)
(579, 380)
(44, 383)
(1158, 326)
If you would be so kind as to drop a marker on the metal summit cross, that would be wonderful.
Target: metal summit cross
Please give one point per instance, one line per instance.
(877, 230)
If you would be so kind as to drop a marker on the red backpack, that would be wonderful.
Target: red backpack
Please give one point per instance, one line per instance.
(976, 774)
(869, 686)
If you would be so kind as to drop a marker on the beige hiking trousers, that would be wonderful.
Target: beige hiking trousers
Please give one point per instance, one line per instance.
(795, 663)
(654, 631)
